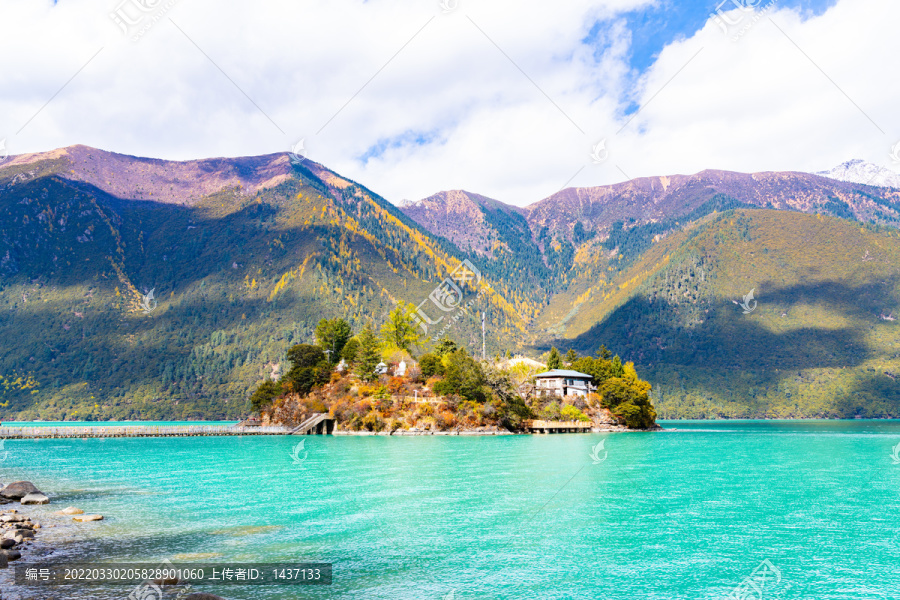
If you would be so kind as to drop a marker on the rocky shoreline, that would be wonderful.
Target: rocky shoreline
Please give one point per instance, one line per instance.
(20, 528)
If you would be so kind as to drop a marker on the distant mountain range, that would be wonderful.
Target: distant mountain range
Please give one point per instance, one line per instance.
(244, 255)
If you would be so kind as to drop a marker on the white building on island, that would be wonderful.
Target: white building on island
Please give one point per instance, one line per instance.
(562, 382)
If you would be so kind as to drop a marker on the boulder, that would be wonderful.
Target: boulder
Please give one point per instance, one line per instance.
(7, 543)
(18, 490)
(71, 510)
(35, 498)
(13, 518)
(11, 554)
(4, 562)
(87, 518)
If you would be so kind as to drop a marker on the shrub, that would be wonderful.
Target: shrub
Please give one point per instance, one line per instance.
(395, 385)
(373, 422)
(572, 413)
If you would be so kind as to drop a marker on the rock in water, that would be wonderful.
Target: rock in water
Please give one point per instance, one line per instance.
(11, 554)
(35, 498)
(71, 510)
(7, 543)
(4, 562)
(18, 490)
(87, 518)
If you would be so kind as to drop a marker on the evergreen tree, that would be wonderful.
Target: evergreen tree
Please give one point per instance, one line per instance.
(571, 356)
(554, 361)
(445, 346)
(309, 368)
(368, 356)
(332, 335)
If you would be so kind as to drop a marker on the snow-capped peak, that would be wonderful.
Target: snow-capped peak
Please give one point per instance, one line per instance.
(860, 171)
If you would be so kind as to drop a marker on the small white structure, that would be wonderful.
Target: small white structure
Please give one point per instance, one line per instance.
(341, 366)
(563, 382)
(401, 369)
(381, 368)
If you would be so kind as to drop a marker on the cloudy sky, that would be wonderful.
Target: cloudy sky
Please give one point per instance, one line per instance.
(511, 99)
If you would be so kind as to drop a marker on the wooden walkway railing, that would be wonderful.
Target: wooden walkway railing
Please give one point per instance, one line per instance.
(13, 433)
(558, 426)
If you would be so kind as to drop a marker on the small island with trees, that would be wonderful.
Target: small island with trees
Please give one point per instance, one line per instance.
(394, 381)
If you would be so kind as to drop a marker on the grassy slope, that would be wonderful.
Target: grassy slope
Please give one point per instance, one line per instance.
(816, 344)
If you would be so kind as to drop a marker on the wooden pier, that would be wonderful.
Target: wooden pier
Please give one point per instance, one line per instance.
(558, 426)
(25, 433)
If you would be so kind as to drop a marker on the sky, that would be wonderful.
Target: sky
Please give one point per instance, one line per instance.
(514, 100)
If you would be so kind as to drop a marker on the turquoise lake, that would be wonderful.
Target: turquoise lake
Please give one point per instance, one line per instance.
(688, 513)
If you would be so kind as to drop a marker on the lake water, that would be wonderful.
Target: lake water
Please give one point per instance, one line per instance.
(686, 514)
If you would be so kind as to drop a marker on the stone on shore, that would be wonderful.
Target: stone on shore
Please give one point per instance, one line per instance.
(18, 490)
(87, 518)
(71, 510)
(7, 543)
(35, 498)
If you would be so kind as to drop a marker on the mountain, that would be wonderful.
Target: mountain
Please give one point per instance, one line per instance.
(463, 218)
(653, 199)
(243, 257)
(757, 313)
(859, 171)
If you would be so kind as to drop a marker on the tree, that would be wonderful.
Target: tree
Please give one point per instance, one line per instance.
(571, 356)
(616, 369)
(628, 398)
(400, 330)
(351, 348)
(309, 368)
(264, 394)
(463, 377)
(445, 346)
(369, 354)
(603, 352)
(554, 361)
(431, 365)
(332, 335)
(522, 377)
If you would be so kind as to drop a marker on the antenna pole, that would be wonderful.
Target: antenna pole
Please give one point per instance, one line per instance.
(482, 336)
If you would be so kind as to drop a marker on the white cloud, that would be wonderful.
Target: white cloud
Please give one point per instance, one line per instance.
(450, 110)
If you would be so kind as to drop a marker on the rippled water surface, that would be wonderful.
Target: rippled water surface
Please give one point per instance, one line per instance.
(686, 513)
